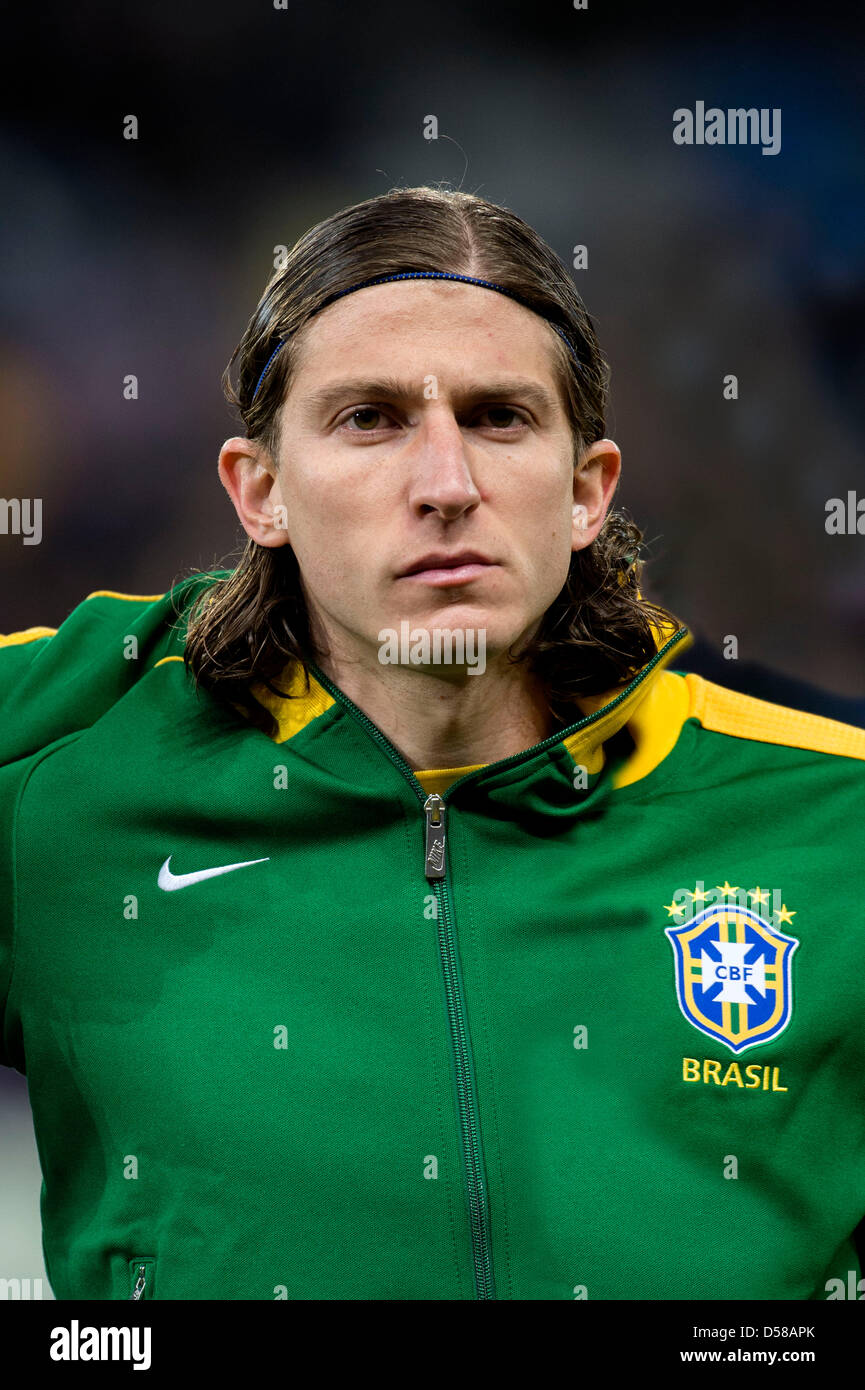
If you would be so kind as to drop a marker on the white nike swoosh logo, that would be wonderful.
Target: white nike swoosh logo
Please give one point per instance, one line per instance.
(170, 881)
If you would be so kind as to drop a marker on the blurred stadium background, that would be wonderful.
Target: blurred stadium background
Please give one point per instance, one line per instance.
(148, 256)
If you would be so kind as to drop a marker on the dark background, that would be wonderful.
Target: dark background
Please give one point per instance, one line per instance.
(148, 257)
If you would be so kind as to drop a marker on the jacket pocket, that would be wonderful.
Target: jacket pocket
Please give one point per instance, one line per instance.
(142, 1278)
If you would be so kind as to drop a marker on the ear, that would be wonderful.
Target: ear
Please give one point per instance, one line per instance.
(595, 481)
(250, 477)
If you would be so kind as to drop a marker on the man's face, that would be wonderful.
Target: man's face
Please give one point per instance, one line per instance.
(425, 417)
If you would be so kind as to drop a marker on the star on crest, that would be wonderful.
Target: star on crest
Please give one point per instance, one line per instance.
(784, 916)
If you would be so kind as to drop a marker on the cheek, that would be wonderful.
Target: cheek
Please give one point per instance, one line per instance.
(544, 489)
(336, 539)
(544, 513)
(317, 510)
(332, 492)
(546, 526)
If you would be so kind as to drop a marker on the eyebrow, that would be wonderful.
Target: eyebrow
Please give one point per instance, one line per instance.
(392, 389)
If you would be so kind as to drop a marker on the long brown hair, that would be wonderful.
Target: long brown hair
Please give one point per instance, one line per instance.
(247, 626)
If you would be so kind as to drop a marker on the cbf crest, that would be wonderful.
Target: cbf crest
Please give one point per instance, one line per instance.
(734, 974)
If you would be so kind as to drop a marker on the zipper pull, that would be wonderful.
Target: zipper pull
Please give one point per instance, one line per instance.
(434, 859)
(140, 1282)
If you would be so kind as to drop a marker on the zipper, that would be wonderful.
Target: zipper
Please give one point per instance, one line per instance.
(435, 810)
(473, 1163)
(141, 1273)
(434, 846)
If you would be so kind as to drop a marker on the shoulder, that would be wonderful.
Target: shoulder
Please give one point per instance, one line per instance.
(730, 737)
(720, 710)
(56, 680)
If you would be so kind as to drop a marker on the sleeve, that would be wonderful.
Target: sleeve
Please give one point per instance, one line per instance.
(57, 681)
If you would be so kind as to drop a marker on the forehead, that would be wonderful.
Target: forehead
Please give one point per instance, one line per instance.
(427, 325)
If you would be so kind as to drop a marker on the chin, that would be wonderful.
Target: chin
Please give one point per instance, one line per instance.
(451, 634)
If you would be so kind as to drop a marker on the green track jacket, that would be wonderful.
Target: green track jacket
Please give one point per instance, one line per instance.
(300, 1023)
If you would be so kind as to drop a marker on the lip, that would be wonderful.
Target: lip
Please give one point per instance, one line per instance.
(439, 567)
(454, 574)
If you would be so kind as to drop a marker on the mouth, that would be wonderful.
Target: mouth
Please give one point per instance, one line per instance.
(449, 569)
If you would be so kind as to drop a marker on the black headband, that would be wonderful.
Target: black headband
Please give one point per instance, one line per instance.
(418, 275)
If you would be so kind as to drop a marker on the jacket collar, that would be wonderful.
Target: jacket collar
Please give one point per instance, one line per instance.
(580, 743)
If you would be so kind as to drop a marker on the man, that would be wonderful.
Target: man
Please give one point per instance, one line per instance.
(385, 918)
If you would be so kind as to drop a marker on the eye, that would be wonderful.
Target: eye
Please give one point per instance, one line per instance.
(366, 418)
(493, 410)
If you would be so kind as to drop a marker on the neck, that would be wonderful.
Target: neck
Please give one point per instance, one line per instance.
(436, 721)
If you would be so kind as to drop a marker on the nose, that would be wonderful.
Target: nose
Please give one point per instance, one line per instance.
(441, 472)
